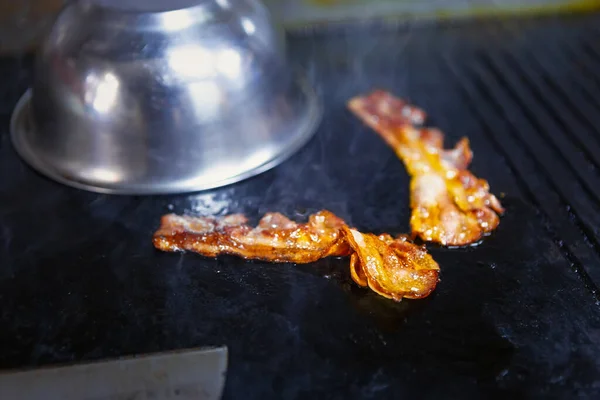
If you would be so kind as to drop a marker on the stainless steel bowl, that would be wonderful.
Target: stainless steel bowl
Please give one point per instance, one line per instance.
(162, 96)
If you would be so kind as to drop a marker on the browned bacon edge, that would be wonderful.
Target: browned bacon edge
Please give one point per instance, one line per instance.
(393, 268)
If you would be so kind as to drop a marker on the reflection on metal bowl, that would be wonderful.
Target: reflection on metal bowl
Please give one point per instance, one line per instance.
(162, 97)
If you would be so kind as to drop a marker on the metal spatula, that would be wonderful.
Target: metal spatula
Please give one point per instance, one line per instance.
(187, 374)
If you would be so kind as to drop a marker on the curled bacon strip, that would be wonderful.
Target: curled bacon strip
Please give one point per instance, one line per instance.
(449, 204)
(393, 268)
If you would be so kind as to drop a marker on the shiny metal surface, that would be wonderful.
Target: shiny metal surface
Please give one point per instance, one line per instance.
(190, 374)
(159, 96)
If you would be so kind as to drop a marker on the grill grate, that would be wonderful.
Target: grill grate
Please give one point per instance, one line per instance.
(547, 196)
(534, 87)
(516, 84)
(517, 315)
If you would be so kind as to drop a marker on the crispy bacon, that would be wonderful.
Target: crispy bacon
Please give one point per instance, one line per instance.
(449, 204)
(275, 239)
(393, 268)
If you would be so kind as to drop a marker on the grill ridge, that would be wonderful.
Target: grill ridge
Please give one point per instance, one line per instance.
(543, 169)
(590, 51)
(485, 119)
(537, 118)
(571, 128)
(578, 51)
(586, 109)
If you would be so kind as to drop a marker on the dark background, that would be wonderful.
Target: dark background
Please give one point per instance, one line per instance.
(517, 315)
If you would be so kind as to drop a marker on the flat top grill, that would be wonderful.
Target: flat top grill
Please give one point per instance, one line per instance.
(517, 315)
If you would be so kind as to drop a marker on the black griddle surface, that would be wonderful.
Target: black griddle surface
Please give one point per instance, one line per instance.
(518, 315)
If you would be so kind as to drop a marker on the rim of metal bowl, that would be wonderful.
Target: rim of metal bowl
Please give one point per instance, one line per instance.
(21, 126)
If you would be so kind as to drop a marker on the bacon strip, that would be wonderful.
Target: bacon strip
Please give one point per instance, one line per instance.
(449, 204)
(275, 239)
(393, 268)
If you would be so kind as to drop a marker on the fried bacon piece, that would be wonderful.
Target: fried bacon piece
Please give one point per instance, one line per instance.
(275, 239)
(449, 204)
(393, 268)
